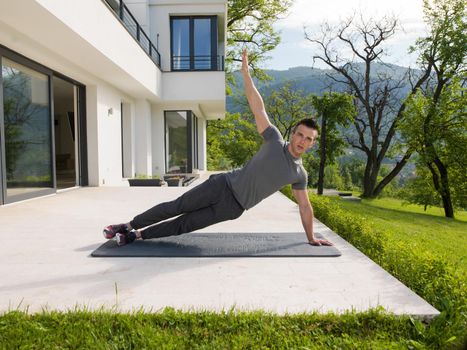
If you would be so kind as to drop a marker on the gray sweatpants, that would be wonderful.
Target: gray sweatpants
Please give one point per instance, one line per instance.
(204, 205)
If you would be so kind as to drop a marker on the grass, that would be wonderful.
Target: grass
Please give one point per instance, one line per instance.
(430, 230)
(172, 329)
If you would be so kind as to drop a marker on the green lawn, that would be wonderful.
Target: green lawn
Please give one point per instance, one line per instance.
(429, 230)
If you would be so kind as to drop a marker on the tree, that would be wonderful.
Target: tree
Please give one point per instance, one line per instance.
(332, 109)
(286, 107)
(420, 190)
(235, 139)
(377, 90)
(435, 120)
(436, 129)
(333, 178)
(355, 167)
(250, 23)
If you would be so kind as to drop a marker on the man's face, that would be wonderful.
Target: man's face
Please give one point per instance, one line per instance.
(302, 139)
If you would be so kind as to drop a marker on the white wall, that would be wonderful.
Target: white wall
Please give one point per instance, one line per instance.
(92, 135)
(143, 142)
(128, 140)
(103, 108)
(158, 140)
(205, 88)
(202, 146)
(109, 126)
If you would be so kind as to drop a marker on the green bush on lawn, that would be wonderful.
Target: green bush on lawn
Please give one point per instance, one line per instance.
(431, 277)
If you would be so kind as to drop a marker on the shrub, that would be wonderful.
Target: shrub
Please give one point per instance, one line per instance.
(428, 275)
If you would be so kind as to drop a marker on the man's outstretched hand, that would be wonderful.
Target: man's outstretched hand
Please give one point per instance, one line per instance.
(320, 242)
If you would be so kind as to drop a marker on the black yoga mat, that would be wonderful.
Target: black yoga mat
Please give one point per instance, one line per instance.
(220, 245)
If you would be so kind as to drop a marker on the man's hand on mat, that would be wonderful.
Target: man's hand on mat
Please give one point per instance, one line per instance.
(320, 242)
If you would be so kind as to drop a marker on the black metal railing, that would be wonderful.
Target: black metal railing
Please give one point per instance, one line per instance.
(134, 28)
(194, 63)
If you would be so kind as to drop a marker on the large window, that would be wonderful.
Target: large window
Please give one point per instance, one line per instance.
(26, 130)
(194, 43)
(181, 146)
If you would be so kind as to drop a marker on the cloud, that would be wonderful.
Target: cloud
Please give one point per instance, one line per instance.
(313, 12)
(295, 50)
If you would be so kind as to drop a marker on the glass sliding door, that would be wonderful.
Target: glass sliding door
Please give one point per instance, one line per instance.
(26, 131)
(65, 132)
(181, 146)
(176, 142)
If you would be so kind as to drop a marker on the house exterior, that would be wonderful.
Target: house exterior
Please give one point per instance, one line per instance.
(96, 91)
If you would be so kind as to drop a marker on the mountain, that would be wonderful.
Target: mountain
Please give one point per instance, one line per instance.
(314, 80)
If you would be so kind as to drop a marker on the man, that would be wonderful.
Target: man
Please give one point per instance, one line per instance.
(226, 196)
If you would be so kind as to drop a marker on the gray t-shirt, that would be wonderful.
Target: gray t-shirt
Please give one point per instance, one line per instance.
(268, 171)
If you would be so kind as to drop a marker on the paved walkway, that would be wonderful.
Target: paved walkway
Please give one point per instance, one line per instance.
(45, 262)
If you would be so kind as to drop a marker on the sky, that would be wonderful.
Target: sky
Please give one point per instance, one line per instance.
(294, 50)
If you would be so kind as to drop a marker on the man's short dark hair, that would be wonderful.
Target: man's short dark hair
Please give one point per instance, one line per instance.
(308, 122)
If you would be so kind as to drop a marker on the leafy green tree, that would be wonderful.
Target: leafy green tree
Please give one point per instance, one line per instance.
(311, 163)
(333, 110)
(216, 159)
(250, 23)
(333, 178)
(286, 107)
(420, 189)
(347, 180)
(234, 140)
(391, 189)
(355, 167)
(435, 127)
(434, 122)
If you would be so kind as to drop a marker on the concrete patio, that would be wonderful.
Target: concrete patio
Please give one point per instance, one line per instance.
(45, 263)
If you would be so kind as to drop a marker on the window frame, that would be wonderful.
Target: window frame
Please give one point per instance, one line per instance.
(214, 45)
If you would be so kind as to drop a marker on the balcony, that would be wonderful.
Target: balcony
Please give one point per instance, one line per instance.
(134, 28)
(197, 63)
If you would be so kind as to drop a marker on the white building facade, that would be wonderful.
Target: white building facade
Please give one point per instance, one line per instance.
(96, 91)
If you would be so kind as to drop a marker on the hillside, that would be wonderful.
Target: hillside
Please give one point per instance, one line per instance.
(310, 80)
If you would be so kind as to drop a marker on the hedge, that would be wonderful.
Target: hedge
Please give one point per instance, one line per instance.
(428, 275)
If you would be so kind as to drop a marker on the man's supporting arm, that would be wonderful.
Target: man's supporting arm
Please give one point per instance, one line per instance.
(254, 98)
(306, 214)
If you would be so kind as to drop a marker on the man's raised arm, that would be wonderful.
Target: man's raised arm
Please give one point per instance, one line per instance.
(254, 98)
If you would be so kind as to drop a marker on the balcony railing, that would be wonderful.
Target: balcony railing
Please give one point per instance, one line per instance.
(195, 63)
(134, 28)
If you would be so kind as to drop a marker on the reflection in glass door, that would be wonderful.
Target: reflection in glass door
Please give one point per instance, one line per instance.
(65, 132)
(27, 131)
(181, 142)
(176, 142)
